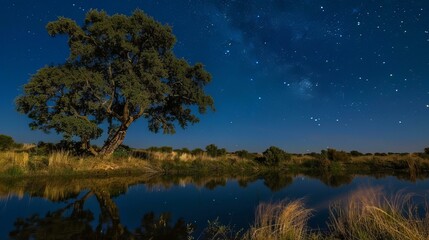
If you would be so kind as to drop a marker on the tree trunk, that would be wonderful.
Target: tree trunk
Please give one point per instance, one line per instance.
(87, 146)
(113, 143)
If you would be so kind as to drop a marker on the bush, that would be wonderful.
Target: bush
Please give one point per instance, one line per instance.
(164, 149)
(211, 150)
(183, 151)
(380, 154)
(337, 156)
(244, 154)
(197, 151)
(221, 152)
(427, 150)
(273, 156)
(122, 151)
(6, 142)
(355, 153)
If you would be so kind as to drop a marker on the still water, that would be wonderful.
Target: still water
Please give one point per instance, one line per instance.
(148, 206)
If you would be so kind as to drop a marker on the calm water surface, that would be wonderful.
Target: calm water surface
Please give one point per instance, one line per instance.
(104, 207)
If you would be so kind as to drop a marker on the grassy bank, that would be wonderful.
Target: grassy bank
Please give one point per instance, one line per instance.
(62, 163)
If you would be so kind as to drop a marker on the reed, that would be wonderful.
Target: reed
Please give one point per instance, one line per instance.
(282, 220)
(370, 214)
(59, 158)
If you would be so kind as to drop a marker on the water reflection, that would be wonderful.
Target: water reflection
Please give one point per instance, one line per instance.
(75, 220)
(58, 189)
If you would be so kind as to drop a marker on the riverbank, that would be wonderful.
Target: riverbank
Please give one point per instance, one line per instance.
(63, 163)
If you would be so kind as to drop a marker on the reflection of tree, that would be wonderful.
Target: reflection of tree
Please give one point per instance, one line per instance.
(330, 179)
(275, 181)
(159, 228)
(75, 222)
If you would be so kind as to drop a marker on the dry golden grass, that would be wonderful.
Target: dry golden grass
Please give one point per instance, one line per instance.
(370, 214)
(59, 158)
(283, 220)
(14, 158)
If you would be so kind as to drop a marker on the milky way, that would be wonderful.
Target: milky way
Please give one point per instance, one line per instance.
(301, 75)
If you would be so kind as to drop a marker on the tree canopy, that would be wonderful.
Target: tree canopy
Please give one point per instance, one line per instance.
(120, 69)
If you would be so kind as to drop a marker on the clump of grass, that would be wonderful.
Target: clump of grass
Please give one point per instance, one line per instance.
(14, 171)
(58, 158)
(370, 214)
(16, 158)
(215, 230)
(282, 220)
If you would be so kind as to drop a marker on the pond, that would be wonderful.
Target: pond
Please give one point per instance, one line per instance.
(167, 206)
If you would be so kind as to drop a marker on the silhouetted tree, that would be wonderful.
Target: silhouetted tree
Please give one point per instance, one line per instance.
(273, 155)
(6, 142)
(197, 151)
(120, 69)
(211, 150)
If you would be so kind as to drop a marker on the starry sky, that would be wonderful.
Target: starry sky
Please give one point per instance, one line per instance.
(301, 75)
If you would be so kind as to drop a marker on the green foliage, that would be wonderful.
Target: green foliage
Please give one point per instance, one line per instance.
(213, 151)
(122, 151)
(355, 153)
(221, 152)
(120, 68)
(380, 154)
(6, 142)
(14, 171)
(197, 151)
(337, 156)
(183, 151)
(273, 155)
(244, 154)
(163, 149)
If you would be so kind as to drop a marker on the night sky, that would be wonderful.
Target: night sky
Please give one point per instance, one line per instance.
(301, 75)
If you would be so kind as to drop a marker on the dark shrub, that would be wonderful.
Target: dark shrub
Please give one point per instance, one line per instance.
(337, 156)
(380, 154)
(244, 154)
(212, 150)
(313, 154)
(355, 153)
(221, 152)
(184, 151)
(122, 151)
(273, 156)
(6, 142)
(197, 151)
(166, 149)
(427, 150)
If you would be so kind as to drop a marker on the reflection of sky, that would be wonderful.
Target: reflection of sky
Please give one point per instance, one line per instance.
(361, 67)
(233, 204)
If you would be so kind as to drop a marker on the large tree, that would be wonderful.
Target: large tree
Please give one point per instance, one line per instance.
(120, 69)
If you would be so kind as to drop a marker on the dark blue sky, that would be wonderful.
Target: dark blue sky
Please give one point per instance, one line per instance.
(301, 75)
